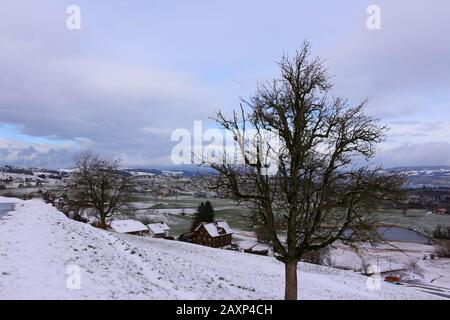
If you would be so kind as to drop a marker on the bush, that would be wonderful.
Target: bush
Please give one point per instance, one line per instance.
(442, 232)
(10, 194)
(77, 217)
(442, 249)
(145, 220)
(414, 269)
(27, 196)
(320, 257)
(262, 235)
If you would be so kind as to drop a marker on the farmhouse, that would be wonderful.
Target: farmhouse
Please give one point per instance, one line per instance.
(158, 230)
(440, 211)
(130, 227)
(259, 249)
(216, 234)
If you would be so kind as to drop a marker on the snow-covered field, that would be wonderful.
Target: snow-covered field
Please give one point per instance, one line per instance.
(39, 248)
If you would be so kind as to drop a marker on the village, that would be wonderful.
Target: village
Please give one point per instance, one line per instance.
(165, 204)
(224, 150)
(216, 234)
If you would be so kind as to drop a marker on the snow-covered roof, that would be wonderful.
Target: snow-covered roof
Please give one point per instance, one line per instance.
(165, 226)
(225, 226)
(158, 227)
(127, 226)
(260, 247)
(213, 228)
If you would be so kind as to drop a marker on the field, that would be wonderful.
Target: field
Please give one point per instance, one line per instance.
(177, 212)
(418, 218)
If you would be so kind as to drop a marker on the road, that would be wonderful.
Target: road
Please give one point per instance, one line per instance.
(435, 290)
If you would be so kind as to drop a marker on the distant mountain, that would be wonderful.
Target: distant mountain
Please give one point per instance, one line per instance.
(428, 176)
(417, 176)
(186, 171)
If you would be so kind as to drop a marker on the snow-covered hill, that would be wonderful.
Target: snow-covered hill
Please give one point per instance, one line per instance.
(39, 247)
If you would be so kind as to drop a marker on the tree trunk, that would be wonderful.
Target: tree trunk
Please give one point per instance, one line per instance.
(102, 221)
(290, 292)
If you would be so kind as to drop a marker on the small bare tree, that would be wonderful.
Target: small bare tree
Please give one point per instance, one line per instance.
(318, 194)
(99, 183)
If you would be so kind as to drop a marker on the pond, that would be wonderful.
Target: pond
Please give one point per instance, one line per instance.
(5, 208)
(399, 234)
(402, 234)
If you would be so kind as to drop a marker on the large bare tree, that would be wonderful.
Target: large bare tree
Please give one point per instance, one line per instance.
(99, 183)
(323, 189)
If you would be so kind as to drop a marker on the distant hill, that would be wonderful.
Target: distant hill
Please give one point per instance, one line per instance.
(186, 171)
(418, 176)
(432, 177)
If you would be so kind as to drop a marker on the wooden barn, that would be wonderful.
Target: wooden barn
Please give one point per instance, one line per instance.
(440, 211)
(216, 234)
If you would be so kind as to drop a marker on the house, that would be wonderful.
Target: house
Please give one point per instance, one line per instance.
(440, 211)
(187, 237)
(158, 230)
(259, 249)
(215, 234)
(130, 227)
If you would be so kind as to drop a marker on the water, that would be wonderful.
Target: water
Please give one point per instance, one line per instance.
(399, 233)
(402, 234)
(5, 208)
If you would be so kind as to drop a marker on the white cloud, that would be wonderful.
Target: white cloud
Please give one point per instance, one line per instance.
(401, 65)
(35, 154)
(426, 154)
(50, 88)
(58, 84)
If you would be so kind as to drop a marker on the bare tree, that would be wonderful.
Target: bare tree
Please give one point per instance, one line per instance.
(100, 184)
(413, 269)
(319, 193)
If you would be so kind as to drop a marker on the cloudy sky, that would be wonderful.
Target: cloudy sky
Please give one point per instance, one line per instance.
(137, 70)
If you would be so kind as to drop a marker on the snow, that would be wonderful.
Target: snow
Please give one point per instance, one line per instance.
(142, 174)
(38, 244)
(164, 225)
(158, 228)
(187, 211)
(260, 247)
(210, 228)
(128, 226)
(397, 256)
(225, 226)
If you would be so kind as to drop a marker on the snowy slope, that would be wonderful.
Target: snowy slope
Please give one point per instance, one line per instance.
(38, 243)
